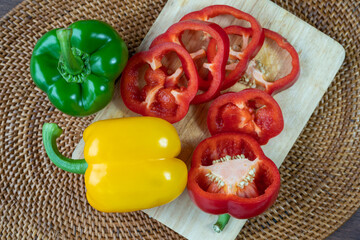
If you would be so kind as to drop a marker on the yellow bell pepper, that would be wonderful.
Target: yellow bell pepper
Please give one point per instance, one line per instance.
(130, 163)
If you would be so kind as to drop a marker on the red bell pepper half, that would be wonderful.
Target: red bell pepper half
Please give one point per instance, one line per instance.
(242, 57)
(256, 73)
(216, 66)
(164, 96)
(230, 174)
(250, 111)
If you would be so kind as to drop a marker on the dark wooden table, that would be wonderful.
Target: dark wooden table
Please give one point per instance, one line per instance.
(349, 231)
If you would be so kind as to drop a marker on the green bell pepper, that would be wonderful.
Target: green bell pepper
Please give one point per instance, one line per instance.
(77, 66)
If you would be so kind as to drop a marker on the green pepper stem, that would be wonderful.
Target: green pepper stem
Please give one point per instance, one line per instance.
(73, 64)
(222, 220)
(50, 133)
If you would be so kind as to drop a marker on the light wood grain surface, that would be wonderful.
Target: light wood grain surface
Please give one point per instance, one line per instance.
(297, 103)
(349, 230)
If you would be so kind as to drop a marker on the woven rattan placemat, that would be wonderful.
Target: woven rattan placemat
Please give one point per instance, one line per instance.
(320, 176)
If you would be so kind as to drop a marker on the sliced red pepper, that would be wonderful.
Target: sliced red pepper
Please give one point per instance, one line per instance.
(216, 66)
(250, 111)
(238, 58)
(230, 174)
(163, 95)
(249, 52)
(256, 72)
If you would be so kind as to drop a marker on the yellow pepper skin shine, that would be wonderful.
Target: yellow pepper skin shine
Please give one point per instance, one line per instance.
(130, 163)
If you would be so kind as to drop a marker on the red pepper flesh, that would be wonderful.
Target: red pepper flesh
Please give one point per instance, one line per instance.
(242, 57)
(162, 96)
(279, 84)
(249, 111)
(288, 80)
(251, 50)
(217, 200)
(216, 66)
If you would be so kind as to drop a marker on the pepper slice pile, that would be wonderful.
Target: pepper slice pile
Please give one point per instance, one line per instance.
(219, 64)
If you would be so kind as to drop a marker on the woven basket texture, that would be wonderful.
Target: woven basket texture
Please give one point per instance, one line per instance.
(320, 176)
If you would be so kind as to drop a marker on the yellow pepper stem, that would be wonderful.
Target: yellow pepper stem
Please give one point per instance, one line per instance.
(50, 133)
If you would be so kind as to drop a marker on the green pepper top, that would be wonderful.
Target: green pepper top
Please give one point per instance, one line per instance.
(77, 66)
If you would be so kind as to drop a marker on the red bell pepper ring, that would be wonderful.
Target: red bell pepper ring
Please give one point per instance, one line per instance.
(162, 96)
(217, 64)
(237, 59)
(250, 111)
(230, 174)
(275, 86)
(248, 53)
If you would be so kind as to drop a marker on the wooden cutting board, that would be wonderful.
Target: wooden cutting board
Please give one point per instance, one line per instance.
(320, 59)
